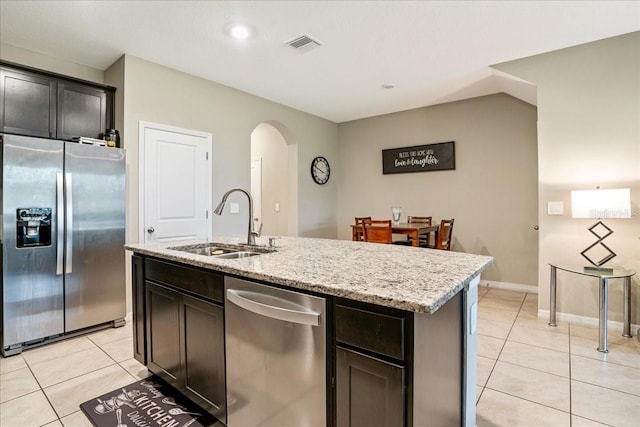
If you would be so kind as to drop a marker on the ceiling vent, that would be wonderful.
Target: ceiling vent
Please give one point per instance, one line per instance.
(303, 43)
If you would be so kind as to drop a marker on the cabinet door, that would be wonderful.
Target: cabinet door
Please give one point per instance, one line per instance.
(82, 111)
(369, 391)
(138, 298)
(203, 354)
(163, 332)
(27, 104)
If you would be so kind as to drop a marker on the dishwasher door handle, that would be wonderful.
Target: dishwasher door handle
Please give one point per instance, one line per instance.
(273, 307)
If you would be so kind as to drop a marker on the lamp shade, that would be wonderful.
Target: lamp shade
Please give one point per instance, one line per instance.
(611, 203)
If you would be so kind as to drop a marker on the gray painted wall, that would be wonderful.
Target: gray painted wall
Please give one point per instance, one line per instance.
(589, 135)
(162, 95)
(50, 63)
(492, 194)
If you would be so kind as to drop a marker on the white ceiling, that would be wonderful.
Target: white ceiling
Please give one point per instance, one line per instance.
(432, 51)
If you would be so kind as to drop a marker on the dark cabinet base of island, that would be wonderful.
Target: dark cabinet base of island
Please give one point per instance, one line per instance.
(385, 366)
(181, 334)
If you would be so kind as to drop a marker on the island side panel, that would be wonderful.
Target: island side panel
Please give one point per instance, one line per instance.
(470, 355)
(438, 365)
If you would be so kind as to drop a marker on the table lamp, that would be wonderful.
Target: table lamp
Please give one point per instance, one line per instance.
(599, 204)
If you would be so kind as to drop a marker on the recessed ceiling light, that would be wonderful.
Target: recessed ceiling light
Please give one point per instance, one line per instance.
(240, 31)
(388, 85)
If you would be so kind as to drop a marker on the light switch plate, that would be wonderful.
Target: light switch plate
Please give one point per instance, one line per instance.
(277, 207)
(555, 208)
(234, 208)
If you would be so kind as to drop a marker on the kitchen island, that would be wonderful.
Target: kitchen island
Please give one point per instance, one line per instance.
(400, 342)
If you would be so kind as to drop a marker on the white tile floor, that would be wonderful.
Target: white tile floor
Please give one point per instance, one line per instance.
(529, 374)
(45, 386)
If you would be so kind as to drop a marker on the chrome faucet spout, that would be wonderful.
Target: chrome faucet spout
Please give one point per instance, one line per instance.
(251, 234)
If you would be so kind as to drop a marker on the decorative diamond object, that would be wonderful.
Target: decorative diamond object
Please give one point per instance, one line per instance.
(598, 248)
(600, 227)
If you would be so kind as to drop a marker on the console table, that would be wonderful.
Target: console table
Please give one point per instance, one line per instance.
(603, 300)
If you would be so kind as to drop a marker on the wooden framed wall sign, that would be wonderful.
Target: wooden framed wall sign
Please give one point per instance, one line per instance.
(419, 158)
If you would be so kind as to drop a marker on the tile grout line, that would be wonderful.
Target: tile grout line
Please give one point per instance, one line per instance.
(59, 418)
(593, 359)
(64, 341)
(42, 391)
(540, 347)
(597, 359)
(115, 361)
(607, 388)
(501, 348)
(535, 369)
(34, 392)
(118, 363)
(570, 379)
(76, 376)
(519, 397)
(529, 400)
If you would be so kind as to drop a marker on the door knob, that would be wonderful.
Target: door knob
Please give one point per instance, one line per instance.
(150, 230)
(535, 227)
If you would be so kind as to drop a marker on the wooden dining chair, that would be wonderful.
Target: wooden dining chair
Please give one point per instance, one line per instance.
(357, 234)
(377, 230)
(445, 233)
(423, 238)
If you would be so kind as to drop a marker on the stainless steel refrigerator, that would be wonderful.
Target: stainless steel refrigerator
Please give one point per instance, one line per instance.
(63, 230)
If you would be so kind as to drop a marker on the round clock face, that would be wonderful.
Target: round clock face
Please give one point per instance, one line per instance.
(320, 170)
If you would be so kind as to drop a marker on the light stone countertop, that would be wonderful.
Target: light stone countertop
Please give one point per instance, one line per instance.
(413, 279)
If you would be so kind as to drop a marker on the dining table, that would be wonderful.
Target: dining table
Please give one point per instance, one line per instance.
(413, 229)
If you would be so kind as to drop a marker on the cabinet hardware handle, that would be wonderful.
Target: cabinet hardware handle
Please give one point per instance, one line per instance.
(278, 308)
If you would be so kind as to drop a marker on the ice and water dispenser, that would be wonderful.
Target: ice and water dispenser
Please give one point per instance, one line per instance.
(33, 227)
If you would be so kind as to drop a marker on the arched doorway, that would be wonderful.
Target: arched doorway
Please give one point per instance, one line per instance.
(274, 179)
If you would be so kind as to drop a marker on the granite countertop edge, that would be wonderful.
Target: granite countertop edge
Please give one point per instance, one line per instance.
(413, 279)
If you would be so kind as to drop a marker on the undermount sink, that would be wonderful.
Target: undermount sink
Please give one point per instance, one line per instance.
(207, 250)
(222, 250)
(239, 254)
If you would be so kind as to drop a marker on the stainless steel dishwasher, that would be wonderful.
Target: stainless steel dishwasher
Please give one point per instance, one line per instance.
(276, 356)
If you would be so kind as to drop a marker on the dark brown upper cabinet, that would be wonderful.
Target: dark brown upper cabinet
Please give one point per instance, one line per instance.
(27, 104)
(36, 103)
(82, 111)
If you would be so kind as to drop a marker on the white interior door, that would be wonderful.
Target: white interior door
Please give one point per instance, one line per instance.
(175, 183)
(256, 190)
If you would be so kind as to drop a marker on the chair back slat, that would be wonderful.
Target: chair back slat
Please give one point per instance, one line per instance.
(444, 234)
(419, 219)
(357, 234)
(377, 231)
(423, 238)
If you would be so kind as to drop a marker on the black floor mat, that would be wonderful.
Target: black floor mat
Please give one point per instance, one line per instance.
(146, 403)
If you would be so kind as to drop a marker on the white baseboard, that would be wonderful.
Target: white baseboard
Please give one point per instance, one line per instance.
(128, 317)
(509, 286)
(584, 320)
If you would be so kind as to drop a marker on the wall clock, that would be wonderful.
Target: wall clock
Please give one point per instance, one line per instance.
(320, 170)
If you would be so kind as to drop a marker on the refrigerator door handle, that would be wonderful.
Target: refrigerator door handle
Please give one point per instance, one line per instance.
(69, 214)
(59, 224)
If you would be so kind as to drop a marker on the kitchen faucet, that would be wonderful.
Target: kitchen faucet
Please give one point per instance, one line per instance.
(251, 235)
